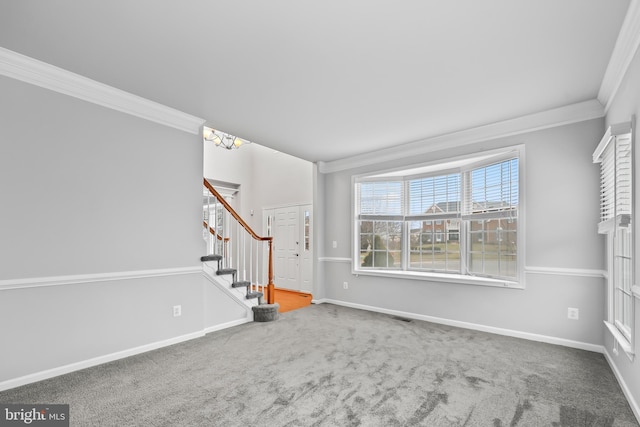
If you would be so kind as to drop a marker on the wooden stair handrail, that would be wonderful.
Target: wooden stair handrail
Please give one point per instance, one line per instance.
(234, 214)
(213, 232)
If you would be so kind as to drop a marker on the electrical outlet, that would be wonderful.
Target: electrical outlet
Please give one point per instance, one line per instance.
(345, 285)
(573, 313)
(177, 310)
(335, 244)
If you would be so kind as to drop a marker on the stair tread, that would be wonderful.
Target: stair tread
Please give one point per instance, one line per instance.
(222, 271)
(251, 295)
(212, 257)
(240, 284)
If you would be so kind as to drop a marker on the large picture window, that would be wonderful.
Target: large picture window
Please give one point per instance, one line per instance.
(457, 219)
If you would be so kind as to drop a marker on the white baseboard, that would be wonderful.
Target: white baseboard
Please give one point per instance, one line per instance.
(228, 325)
(474, 326)
(54, 372)
(623, 385)
(61, 370)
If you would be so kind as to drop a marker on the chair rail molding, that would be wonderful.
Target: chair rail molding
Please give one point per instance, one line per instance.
(38, 73)
(36, 282)
(556, 271)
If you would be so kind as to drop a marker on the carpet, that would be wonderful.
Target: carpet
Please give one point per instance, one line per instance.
(327, 365)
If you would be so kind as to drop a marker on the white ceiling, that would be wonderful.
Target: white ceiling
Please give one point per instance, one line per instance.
(331, 79)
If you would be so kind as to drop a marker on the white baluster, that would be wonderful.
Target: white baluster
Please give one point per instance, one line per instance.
(244, 256)
(258, 262)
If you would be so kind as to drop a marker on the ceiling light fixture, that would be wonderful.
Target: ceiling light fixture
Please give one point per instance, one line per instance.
(222, 139)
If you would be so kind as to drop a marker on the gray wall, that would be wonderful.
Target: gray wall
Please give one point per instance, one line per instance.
(625, 105)
(561, 187)
(267, 178)
(91, 191)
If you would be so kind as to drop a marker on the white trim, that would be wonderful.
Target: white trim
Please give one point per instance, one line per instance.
(61, 370)
(473, 326)
(623, 385)
(621, 340)
(35, 282)
(334, 259)
(464, 166)
(429, 276)
(286, 205)
(568, 114)
(612, 131)
(63, 280)
(226, 325)
(577, 272)
(623, 52)
(29, 70)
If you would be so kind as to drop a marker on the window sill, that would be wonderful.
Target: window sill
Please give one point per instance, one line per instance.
(441, 277)
(620, 340)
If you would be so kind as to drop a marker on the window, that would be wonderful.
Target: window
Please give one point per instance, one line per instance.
(614, 153)
(455, 220)
(307, 230)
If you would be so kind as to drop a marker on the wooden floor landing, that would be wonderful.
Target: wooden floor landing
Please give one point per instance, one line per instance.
(291, 300)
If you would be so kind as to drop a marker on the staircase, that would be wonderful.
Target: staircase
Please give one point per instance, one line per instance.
(234, 283)
(243, 260)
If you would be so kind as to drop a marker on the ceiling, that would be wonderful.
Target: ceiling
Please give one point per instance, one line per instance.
(332, 79)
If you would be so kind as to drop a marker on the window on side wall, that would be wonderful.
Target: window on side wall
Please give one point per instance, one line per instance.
(615, 155)
(455, 220)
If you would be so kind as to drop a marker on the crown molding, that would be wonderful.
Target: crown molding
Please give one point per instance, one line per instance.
(32, 71)
(573, 113)
(623, 52)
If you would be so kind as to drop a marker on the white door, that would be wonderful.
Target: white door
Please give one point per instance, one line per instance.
(286, 242)
(291, 228)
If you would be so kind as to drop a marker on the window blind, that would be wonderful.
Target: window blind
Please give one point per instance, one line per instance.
(385, 198)
(614, 155)
(623, 175)
(434, 195)
(492, 189)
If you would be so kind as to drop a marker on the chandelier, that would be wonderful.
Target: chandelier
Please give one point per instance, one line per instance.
(222, 139)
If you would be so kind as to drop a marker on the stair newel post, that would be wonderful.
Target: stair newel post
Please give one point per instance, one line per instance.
(271, 286)
(225, 246)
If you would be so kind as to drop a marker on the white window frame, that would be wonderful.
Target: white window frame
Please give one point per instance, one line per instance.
(459, 164)
(617, 210)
